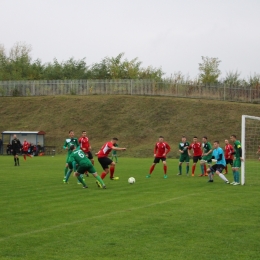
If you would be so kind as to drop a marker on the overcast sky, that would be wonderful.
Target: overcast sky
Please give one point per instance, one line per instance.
(171, 34)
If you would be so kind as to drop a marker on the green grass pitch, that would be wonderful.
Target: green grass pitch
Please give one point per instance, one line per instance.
(176, 218)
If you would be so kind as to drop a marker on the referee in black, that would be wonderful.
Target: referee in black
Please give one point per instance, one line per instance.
(16, 148)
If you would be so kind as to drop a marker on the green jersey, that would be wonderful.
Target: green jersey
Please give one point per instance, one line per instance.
(114, 151)
(206, 147)
(184, 147)
(237, 148)
(68, 142)
(79, 157)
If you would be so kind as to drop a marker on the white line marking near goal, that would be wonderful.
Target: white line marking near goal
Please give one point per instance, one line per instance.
(94, 217)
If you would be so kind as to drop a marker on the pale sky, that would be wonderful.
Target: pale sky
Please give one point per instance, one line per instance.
(171, 34)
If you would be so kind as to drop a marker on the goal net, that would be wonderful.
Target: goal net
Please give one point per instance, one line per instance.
(250, 141)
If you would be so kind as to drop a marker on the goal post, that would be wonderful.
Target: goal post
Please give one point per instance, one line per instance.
(250, 139)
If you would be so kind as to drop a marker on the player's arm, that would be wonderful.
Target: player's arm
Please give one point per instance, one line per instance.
(65, 145)
(240, 152)
(189, 148)
(180, 149)
(168, 149)
(77, 143)
(118, 148)
(155, 150)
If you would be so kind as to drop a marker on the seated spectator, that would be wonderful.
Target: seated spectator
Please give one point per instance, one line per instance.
(8, 149)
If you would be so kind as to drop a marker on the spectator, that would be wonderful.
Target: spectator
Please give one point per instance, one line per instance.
(8, 149)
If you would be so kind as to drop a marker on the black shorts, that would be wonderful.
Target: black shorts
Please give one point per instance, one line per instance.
(105, 162)
(16, 152)
(157, 159)
(229, 161)
(217, 167)
(89, 155)
(196, 158)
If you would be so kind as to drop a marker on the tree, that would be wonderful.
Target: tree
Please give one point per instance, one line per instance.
(232, 79)
(209, 71)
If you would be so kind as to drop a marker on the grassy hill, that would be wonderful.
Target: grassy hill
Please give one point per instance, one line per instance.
(136, 120)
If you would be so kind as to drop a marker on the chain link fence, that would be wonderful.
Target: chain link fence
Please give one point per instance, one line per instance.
(129, 87)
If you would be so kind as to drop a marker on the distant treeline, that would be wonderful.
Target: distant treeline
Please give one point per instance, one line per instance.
(19, 65)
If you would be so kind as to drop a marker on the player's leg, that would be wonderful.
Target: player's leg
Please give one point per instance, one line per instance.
(104, 162)
(180, 168)
(112, 170)
(219, 170)
(70, 169)
(15, 161)
(99, 181)
(210, 172)
(24, 155)
(164, 168)
(187, 160)
(202, 164)
(155, 161)
(195, 160)
(235, 168)
(81, 169)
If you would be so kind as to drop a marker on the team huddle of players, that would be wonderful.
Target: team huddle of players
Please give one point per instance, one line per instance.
(206, 154)
(80, 159)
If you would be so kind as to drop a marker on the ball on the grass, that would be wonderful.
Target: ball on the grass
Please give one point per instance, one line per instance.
(131, 180)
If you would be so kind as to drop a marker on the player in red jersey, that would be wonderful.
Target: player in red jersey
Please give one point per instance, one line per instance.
(229, 151)
(25, 149)
(85, 146)
(105, 161)
(197, 153)
(161, 149)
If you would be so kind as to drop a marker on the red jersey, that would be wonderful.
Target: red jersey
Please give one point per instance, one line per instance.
(161, 149)
(84, 144)
(105, 150)
(228, 152)
(196, 149)
(26, 146)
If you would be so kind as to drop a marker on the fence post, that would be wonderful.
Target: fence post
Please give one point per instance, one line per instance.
(224, 92)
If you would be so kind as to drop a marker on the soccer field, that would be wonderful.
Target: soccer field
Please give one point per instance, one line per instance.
(176, 218)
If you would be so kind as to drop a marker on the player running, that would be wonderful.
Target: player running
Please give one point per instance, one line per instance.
(68, 142)
(161, 149)
(218, 157)
(184, 155)
(206, 156)
(105, 161)
(229, 150)
(15, 149)
(197, 153)
(79, 158)
(237, 160)
(25, 148)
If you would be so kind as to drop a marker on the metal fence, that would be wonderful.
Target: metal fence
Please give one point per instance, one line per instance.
(129, 87)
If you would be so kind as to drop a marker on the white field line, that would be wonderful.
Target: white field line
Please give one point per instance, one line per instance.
(93, 217)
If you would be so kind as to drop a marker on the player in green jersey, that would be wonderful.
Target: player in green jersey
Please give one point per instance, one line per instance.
(206, 156)
(67, 143)
(79, 162)
(114, 153)
(237, 160)
(184, 155)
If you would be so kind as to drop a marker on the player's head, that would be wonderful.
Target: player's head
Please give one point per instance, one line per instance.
(114, 140)
(71, 133)
(160, 139)
(14, 136)
(24, 140)
(183, 139)
(84, 133)
(226, 141)
(204, 139)
(72, 147)
(195, 139)
(216, 144)
(233, 138)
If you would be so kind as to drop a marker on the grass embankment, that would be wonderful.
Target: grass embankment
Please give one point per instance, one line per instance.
(136, 120)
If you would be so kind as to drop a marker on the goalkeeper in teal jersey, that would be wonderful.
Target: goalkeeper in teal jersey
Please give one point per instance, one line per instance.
(80, 164)
(219, 158)
(238, 159)
(68, 142)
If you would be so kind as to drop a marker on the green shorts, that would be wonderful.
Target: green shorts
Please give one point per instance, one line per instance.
(184, 158)
(208, 159)
(236, 163)
(86, 167)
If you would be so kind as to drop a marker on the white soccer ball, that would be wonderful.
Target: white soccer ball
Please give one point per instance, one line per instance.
(131, 180)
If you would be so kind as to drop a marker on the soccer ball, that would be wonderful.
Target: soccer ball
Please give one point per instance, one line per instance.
(131, 180)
